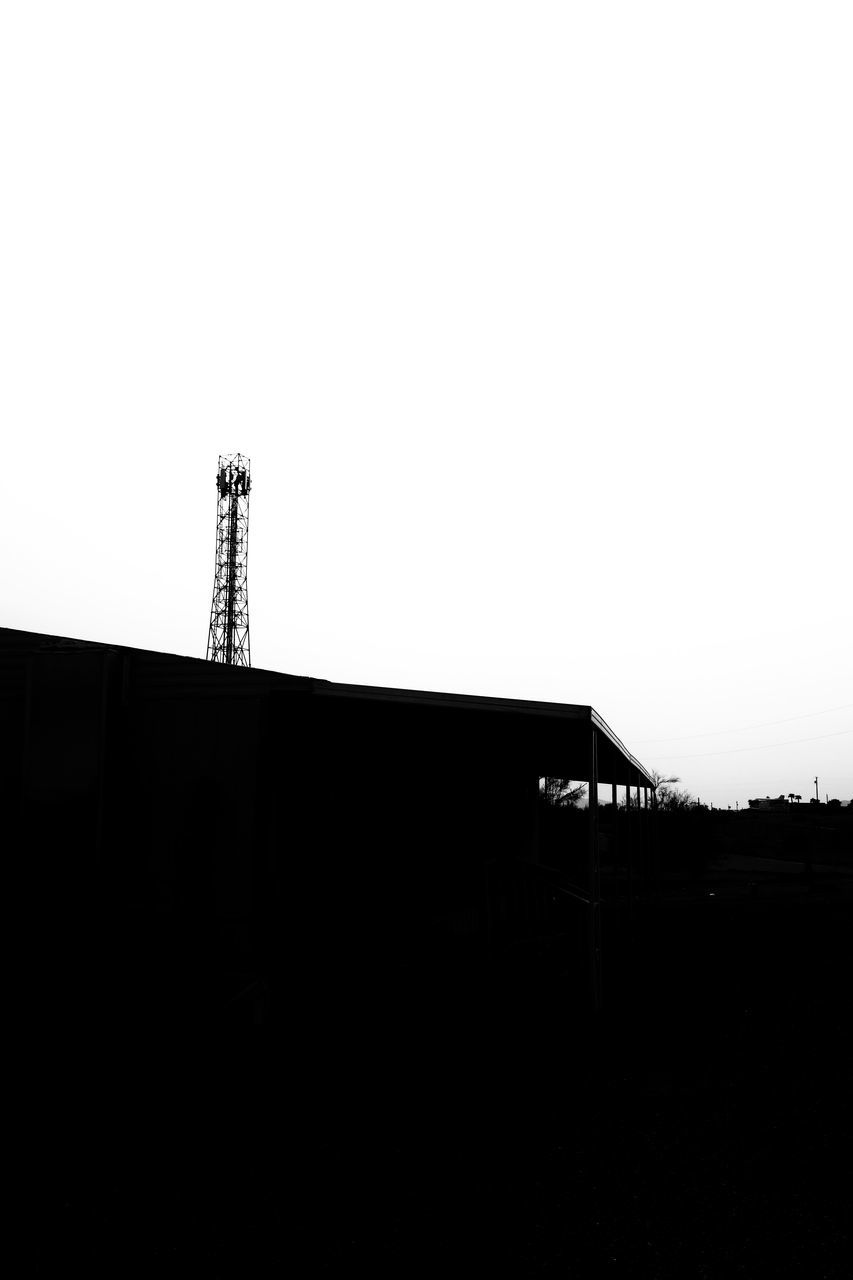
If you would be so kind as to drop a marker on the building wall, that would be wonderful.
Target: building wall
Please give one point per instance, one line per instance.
(182, 830)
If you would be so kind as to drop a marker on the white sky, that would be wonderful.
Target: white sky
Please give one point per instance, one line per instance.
(535, 321)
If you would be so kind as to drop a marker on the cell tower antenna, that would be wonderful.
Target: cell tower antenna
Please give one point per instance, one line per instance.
(228, 638)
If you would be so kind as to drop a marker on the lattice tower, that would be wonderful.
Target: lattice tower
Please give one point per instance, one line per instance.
(228, 638)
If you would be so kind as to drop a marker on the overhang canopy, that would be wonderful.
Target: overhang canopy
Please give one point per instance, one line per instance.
(545, 738)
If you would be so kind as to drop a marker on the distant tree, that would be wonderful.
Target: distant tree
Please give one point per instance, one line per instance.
(790, 796)
(675, 799)
(671, 797)
(798, 799)
(562, 794)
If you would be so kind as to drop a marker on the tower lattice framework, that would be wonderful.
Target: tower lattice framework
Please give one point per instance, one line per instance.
(228, 638)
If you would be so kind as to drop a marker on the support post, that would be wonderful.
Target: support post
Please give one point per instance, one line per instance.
(641, 829)
(647, 824)
(655, 838)
(626, 836)
(594, 878)
(630, 843)
(617, 849)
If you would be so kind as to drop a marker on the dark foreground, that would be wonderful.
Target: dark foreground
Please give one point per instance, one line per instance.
(701, 1129)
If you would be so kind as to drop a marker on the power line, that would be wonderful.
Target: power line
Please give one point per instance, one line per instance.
(698, 755)
(765, 778)
(766, 724)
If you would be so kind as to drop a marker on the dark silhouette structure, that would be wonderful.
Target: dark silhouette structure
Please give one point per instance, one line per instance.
(380, 967)
(378, 847)
(228, 637)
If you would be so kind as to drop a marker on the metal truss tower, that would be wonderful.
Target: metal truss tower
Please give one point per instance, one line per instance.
(228, 639)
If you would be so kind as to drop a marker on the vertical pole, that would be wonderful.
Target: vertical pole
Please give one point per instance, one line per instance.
(646, 822)
(626, 836)
(655, 837)
(615, 836)
(638, 821)
(630, 844)
(594, 877)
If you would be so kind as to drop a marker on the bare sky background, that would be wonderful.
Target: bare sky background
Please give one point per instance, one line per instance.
(535, 321)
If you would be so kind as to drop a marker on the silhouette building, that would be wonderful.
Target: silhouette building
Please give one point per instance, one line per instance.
(373, 847)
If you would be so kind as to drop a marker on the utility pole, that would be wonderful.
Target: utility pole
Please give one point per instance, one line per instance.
(228, 637)
(816, 796)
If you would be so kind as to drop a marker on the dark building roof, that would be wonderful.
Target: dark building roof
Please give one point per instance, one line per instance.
(553, 737)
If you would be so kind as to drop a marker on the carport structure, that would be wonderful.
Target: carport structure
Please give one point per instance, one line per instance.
(344, 841)
(469, 771)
